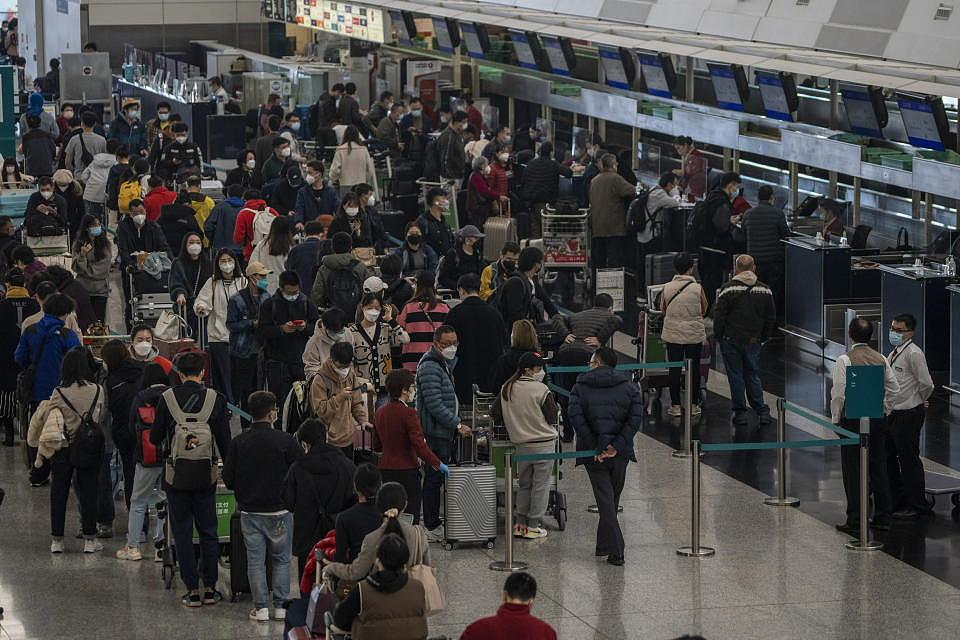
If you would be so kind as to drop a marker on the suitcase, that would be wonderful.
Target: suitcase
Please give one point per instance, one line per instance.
(149, 306)
(658, 268)
(48, 245)
(498, 231)
(239, 582)
(470, 500)
(170, 348)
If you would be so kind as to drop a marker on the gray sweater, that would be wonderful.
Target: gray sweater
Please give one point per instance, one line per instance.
(595, 322)
(360, 568)
(92, 273)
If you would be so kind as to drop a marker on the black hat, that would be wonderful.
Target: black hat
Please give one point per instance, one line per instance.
(529, 360)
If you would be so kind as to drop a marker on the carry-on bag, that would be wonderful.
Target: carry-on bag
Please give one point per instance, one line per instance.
(498, 231)
(658, 268)
(470, 499)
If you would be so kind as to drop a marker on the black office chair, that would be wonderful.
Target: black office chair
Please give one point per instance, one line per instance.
(860, 234)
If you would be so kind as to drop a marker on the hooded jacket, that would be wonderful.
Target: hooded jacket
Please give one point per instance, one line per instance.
(274, 312)
(318, 486)
(202, 205)
(745, 311)
(218, 227)
(47, 122)
(605, 408)
(437, 404)
(155, 200)
(340, 415)
(95, 177)
(214, 297)
(92, 273)
(133, 134)
(58, 340)
(318, 346)
(177, 220)
(243, 230)
(328, 265)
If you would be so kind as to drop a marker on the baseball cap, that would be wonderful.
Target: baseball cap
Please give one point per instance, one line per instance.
(530, 360)
(257, 269)
(373, 284)
(470, 231)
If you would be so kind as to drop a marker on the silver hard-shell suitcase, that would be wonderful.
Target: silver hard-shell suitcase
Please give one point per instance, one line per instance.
(498, 231)
(470, 500)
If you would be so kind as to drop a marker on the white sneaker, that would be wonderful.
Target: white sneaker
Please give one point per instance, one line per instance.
(534, 533)
(260, 615)
(279, 613)
(674, 411)
(158, 556)
(56, 545)
(92, 546)
(129, 553)
(435, 534)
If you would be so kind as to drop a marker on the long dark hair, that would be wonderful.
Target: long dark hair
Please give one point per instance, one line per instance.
(114, 354)
(183, 255)
(217, 274)
(76, 367)
(392, 499)
(349, 197)
(426, 291)
(280, 238)
(393, 552)
(8, 162)
(351, 136)
(101, 244)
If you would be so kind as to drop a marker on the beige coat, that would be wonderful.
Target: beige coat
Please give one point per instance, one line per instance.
(45, 433)
(353, 166)
(81, 397)
(340, 415)
(683, 317)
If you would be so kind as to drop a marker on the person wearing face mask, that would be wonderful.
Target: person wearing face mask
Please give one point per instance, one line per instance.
(496, 273)
(305, 257)
(95, 177)
(84, 145)
(181, 157)
(316, 197)
(128, 129)
(338, 397)
(463, 259)
(243, 314)
(287, 321)
(502, 140)
(201, 204)
(273, 250)
(219, 226)
(609, 195)
(159, 126)
(211, 303)
(179, 219)
(541, 185)
(413, 125)
(526, 407)
(522, 297)
(500, 174)
(143, 349)
(46, 213)
(285, 191)
(157, 197)
(72, 192)
(694, 169)
(352, 163)
(398, 290)
(63, 120)
(433, 224)
(367, 199)
(439, 414)
(39, 148)
(331, 329)
(188, 272)
(713, 233)
(482, 198)
(353, 221)
(135, 233)
(279, 161)
(12, 178)
(416, 257)
(388, 131)
(381, 108)
(217, 93)
(482, 337)
(245, 173)
(450, 146)
(92, 258)
(375, 334)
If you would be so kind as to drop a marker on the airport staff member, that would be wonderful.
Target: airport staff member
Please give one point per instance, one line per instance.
(906, 419)
(860, 354)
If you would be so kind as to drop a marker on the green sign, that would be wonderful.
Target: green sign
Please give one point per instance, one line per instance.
(864, 392)
(226, 505)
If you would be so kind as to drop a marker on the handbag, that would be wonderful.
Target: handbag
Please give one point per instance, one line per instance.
(366, 255)
(435, 601)
(322, 600)
(168, 326)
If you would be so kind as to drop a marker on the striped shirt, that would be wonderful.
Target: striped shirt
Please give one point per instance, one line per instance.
(420, 321)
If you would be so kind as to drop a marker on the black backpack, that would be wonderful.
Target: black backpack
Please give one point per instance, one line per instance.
(697, 223)
(344, 288)
(87, 444)
(637, 215)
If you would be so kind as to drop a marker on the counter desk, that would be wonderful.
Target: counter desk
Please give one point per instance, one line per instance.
(193, 113)
(816, 275)
(920, 291)
(953, 380)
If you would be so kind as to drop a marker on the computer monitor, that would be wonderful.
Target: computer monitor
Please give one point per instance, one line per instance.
(729, 85)
(779, 94)
(925, 120)
(658, 73)
(866, 109)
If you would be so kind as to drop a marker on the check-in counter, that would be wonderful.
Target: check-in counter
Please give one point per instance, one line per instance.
(193, 113)
(953, 380)
(816, 275)
(921, 291)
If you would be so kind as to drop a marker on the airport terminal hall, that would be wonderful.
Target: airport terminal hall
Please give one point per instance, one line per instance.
(479, 319)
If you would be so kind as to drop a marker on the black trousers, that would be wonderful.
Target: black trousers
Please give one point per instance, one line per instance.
(220, 377)
(244, 382)
(713, 268)
(772, 274)
(87, 483)
(879, 480)
(99, 304)
(676, 352)
(607, 479)
(571, 355)
(904, 467)
(410, 479)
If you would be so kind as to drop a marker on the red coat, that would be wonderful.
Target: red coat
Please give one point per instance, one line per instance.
(156, 198)
(243, 228)
(399, 435)
(512, 621)
(498, 179)
(475, 118)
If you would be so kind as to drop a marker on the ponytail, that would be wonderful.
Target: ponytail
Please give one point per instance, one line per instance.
(508, 385)
(393, 524)
(392, 500)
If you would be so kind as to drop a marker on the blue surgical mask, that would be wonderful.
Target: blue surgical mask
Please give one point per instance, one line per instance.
(896, 339)
(263, 284)
(95, 231)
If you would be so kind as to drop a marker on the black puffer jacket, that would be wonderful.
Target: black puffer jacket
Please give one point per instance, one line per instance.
(745, 311)
(765, 226)
(716, 230)
(605, 408)
(541, 180)
(122, 385)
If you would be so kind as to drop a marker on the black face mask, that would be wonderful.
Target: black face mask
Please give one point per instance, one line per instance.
(414, 240)
(508, 265)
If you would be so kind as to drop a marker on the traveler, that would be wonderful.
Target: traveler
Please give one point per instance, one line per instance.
(501, 174)
(77, 399)
(482, 336)
(528, 410)
(353, 221)
(212, 303)
(380, 108)
(283, 191)
(744, 318)
(272, 251)
(46, 213)
(832, 214)
(287, 320)
(450, 147)
(339, 281)
(907, 413)
(317, 488)
(389, 602)
(83, 147)
(315, 198)
(243, 314)
(496, 273)
(120, 170)
(420, 318)
(765, 226)
(257, 464)
(67, 284)
(181, 157)
(12, 178)
(159, 127)
(348, 109)
(305, 257)
(157, 197)
(95, 175)
(501, 141)
(482, 199)
(416, 257)
(8, 242)
(398, 290)
(609, 195)
(331, 329)
(179, 221)
(860, 353)
(275, 167)
(245, 174)
(606, 411)
(63, 119)
(121, 384)
(146, 491)
(143, 350)
(219, 225)
(399, 437)
(683, 305)
(23, 258)
(694, 168)
(201, 204)
(352, 163)
(361, 519)
(664, 221)
(253, 222)
(541, 185)
(438, 411)
(375, 333)
(15, 306)
(92, 258)
(433, 224)
(191, 488)
(522, 297)
(523, 339)
(474, 117)
(462, 259)
(391, 502)
(339, 399)
(39, 148)
(367, 199)
(513, 618)
(135, 233)
(713, 224)
(590, 328)
(327, 106)
(188, 272)
(128, 130)
(263, 146)
(388, 130)
(35, 108)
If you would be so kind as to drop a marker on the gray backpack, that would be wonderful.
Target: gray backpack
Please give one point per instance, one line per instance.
(191, 463)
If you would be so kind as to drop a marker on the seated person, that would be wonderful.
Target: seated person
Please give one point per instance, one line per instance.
(513, 619)
(46, 212)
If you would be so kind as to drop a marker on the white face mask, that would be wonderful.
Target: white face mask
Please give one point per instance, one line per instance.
(133, 115)
(503, 157)
(371, 315)
(143, 348)
(371, 200)
(46, 194)
(352, 211)
(139, 219)
(291, 297)
(310, 178)
(539, 375)
(194, 249)
(295, 126)
(251, 163)
(181, 139)
(285, 152)
(227, 267)
(450, 352)
(343, 372)
(163, 116)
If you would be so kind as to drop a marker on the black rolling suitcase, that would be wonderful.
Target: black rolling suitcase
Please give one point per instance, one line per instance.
(658, 268)
(239, 580)
(394, 221)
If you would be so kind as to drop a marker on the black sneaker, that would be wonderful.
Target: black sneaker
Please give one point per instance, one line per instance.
(906, 514)
(601, 553)
(850, 528)
(616, 561)
(764, 417)
(192, 599)
(211, 596)
(740, 417)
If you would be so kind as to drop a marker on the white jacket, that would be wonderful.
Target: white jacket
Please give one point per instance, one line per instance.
(95, 177)
(212, 302)
(261, 253)
(352, 167)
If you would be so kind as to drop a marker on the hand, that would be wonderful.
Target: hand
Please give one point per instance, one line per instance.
(388, 313)
(592, 342)
(464, 430)
(288, 327)
(366, 426)
(445, 470)
(181, 299)
(201, 310)
(299, 226)
(344, 394)
(85, 249)
(570, 339)
(735, 219)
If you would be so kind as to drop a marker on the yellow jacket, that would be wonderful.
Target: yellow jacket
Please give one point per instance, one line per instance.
(486, 282)
(202, 206)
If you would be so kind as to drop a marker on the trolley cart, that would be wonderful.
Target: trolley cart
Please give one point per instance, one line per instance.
(566, 248)
(449, 187)
(226, 505)
(941, 484)
(149, 297)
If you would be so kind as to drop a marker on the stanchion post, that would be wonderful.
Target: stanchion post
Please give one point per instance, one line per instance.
(695, 550)
(864, 543)
(684, 450)
(781, 499)
(508, 564)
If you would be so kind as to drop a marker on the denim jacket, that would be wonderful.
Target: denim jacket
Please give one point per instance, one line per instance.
(242, 312)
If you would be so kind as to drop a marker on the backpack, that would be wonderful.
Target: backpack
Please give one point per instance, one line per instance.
(638, 216)
(696, 230)
(87, 444)
(128, 190)
(431, 160)
(147, 454)
(261, 225)
(191, 463)
(344, 288)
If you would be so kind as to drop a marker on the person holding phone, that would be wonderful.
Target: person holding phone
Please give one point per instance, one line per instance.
(92, 257)
(338, 397)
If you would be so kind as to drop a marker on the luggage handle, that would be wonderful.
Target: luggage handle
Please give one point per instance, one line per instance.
(461, 460)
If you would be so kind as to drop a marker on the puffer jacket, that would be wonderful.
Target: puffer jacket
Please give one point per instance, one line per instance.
(541, 180)
(765, 226)
(95, 177)
(716, 231)
(745, 311)
(437, 405)
(45, 432)
(93, 274)
(58, 339)
(605, 408)
(340, 416)
(213, 300)
(595, 322)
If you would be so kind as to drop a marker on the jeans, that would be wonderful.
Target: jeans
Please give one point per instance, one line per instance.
(742, 364)
(186, 509)
(61, 477)
(904, 467)
(245, 382)
(607, 479)
(410, 479)
(220, 370)
(262, 534)
(675, 353)
(534, 491)
(146, 493)
(432, 483)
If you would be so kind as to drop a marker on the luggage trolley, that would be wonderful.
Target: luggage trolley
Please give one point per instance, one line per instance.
(566, 250)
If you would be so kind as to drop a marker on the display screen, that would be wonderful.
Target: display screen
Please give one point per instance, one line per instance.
(860, 112)
(613, 68)
(653, 75)
(725, 87)
(400, 28)
(521, 46)
(920, 123)
(774, 97)
(443, 35)
(555, 54)
(470, 37)
(342, 18)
